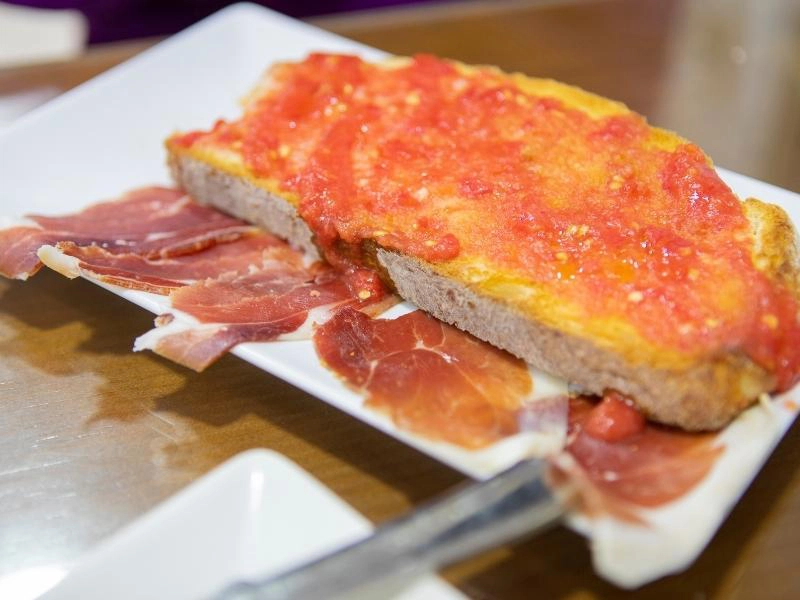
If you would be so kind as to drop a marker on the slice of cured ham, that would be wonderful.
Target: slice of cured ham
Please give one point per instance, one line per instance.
(253, 287)
(435, 380)
(18, 246)
(651, 501)
(150, 222)
(277, 298)
(159, 275)
(645, 470)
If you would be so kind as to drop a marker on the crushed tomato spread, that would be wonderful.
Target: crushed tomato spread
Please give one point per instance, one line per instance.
(445, 162)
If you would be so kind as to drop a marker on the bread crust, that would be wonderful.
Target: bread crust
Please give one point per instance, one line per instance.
(701, 394)
(775, 243)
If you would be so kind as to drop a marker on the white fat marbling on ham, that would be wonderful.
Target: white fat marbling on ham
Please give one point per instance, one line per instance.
(158, 275)
(437, 381)
(278, 299)
(150, 222)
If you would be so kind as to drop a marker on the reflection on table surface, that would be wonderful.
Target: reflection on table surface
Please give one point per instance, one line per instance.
(94, 435)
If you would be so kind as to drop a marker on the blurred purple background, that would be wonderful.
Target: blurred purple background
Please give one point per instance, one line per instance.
(111, 20)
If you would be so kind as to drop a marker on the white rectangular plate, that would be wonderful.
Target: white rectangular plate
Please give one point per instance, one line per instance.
(106, 137)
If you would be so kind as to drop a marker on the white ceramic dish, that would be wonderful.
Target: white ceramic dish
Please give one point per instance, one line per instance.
(106, 137)
(256, 514)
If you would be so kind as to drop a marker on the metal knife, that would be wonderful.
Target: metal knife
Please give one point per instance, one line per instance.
(514, 504)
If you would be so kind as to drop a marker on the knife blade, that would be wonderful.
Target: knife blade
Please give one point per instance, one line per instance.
(513, 504)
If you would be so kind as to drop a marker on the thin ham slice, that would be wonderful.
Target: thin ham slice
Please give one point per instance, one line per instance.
(18, 246)
(435, 380)
(234, 283)
(157, 275)
(646, 470)
(150, 222)
(278, 298)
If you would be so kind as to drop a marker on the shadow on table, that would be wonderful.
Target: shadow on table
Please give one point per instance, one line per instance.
(48, 303)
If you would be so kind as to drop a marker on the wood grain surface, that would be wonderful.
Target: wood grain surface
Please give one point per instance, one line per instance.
(93, 435)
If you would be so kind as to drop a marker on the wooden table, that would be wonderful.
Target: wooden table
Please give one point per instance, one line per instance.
(92, 435)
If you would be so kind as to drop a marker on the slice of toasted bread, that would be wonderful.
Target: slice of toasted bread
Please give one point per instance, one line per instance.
(694, 388)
